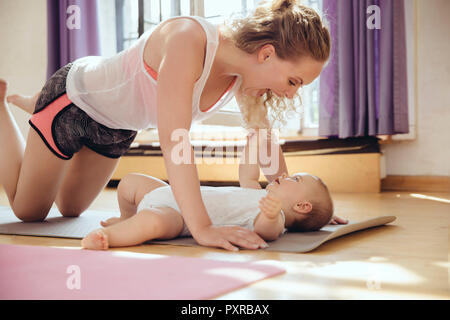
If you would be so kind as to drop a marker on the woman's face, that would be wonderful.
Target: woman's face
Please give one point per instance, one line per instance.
(282, 77)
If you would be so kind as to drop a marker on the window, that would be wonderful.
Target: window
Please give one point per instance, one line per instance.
(122, 22)
(217, 14)
(309, 123)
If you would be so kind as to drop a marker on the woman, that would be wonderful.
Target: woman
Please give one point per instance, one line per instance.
(88, 113)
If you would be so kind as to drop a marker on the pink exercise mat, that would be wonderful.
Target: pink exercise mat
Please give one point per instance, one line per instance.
(32, 272)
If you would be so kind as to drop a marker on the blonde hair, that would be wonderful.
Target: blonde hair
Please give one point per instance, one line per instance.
(295, 31)
(320, 214)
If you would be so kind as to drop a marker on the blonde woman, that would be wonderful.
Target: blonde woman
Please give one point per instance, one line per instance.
(88, 113)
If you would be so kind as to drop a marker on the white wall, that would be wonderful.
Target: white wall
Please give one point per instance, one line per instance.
(429, 153)
(23, 49)
(23, 63)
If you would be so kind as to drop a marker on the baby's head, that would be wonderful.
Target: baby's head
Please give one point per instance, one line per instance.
(306, 201)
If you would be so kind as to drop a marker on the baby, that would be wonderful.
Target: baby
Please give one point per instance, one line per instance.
(300, 202)
(148, 209)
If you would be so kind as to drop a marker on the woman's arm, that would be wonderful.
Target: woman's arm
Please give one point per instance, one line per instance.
(180, 67)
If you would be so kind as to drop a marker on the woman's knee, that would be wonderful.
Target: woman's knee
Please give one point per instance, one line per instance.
(69, 209)
(30, 213)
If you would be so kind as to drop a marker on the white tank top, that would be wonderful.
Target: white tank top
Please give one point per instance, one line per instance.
(225, 205)
(119, 93)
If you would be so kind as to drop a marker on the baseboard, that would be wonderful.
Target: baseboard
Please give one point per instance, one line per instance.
(416, 183)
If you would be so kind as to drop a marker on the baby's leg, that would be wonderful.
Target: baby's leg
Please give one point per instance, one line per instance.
(132, 188)
(149, 224)
(26, 103)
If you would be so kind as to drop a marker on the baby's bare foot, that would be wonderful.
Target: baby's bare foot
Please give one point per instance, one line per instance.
(110, 221)
(96, 240)
(26, 103)
(3, 89)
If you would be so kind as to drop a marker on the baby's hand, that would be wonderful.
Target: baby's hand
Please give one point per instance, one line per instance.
(270, 206)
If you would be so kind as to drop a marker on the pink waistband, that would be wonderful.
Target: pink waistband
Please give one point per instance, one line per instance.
(43, 121)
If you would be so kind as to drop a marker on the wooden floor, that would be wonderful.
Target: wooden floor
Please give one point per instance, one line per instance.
(406, 260)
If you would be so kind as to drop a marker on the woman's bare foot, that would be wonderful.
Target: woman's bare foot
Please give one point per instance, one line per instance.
(3, 90)
(96, 240)
(26, 103)
(111, 221)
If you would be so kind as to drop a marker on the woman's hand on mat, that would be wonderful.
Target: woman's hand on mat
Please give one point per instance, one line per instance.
(270, 205)
(337, 220)
(229, 238)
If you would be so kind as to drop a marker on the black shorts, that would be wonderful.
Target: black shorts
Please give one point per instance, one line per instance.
(65, 128)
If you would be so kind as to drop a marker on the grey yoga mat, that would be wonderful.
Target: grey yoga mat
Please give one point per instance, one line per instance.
(59, 227)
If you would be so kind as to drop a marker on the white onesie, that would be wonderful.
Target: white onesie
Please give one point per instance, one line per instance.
(225, 205)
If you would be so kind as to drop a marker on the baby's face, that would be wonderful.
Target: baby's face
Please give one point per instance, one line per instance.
(295, 188)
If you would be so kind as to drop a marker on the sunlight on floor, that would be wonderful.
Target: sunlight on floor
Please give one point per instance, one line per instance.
(347, 279)
(382, 293)
(354, 280)
(441, 264)
(422, 196)
(363, 272)
(297, 289)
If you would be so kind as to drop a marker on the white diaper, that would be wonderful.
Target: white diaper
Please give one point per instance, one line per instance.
(225, 205)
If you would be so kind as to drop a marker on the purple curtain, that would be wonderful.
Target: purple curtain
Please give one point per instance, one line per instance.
(72, 32)
(363, 88)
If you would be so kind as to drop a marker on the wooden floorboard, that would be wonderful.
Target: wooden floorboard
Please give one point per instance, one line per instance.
(406, 260)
